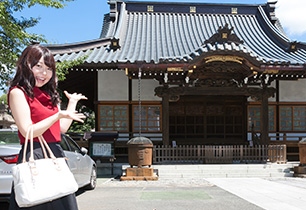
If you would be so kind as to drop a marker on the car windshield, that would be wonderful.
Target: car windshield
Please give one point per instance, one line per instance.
(9, 137)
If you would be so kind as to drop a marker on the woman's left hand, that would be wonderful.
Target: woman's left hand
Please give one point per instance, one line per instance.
(75, 97)
(74, 115)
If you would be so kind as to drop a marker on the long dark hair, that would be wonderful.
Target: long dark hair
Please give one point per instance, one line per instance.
(24, 77)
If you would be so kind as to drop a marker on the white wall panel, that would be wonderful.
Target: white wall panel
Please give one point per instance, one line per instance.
(294, 91)
(147, 90)
(112, 86)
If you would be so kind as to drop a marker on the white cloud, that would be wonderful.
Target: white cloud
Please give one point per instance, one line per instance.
(292, 15)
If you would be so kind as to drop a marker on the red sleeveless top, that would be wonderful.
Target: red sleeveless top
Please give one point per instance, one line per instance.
(41, 108)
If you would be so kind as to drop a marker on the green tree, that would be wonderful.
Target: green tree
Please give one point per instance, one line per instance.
(89, 122)
(78, 127)
(14, 38)
(3, 98)
(13, 35)
(62, 67)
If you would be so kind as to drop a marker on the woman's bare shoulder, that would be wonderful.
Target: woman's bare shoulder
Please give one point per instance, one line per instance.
(16, 92)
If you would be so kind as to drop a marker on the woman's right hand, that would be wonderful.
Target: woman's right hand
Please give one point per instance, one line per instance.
(73, 115)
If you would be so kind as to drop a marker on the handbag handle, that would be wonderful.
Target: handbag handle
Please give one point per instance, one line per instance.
(43, 143)
(26, 143)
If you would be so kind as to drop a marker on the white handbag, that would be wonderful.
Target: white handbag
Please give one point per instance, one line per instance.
(43, 180)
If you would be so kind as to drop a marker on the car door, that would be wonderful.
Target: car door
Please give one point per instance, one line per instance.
(83, 167)
(73, 159)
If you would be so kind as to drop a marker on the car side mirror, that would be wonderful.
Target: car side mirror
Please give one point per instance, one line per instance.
(84, 150)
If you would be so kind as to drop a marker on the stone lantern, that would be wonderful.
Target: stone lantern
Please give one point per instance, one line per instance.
(300, 171)
(140, 155)
(140, 152)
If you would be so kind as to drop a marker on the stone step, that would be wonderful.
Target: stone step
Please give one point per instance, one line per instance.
(223, 170)
(168, 171)
(225, 175)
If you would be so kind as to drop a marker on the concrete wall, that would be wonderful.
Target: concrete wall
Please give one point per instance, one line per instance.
(147, 90)
(112, 86)
(292, 91)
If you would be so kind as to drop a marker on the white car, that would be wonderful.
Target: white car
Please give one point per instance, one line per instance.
(81, 165)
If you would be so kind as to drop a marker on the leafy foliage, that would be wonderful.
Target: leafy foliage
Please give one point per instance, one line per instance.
(13, 35)
(14, 38)
(78, 127)
(89, 122)
(3, 98)
(62, 67)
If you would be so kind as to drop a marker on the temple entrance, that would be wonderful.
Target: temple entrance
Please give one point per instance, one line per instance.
(208, 120)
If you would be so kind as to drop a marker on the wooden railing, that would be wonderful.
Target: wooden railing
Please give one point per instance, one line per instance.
(219, 154)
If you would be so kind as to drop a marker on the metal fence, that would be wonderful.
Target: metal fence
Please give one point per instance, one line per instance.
(219, 154)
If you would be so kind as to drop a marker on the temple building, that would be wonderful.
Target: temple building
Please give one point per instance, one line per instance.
(202, 73)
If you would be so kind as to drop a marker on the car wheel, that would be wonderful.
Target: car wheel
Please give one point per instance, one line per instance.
(93, 179)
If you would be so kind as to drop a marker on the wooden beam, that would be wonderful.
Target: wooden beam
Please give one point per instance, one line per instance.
(208, 91)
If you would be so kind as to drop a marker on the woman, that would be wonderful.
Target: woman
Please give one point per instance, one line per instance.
(33, 100)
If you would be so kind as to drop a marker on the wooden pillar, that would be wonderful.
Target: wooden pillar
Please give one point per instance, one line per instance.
(264, 117)
(263, 95)
(165, 119)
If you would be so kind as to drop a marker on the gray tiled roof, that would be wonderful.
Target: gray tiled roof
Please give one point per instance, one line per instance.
(166, 36)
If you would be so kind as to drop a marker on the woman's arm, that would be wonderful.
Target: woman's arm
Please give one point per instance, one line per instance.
(73, 100)
(22, 115)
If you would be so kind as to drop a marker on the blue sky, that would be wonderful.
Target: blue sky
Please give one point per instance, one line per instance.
(82, 20)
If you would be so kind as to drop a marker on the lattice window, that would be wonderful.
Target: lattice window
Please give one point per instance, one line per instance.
(292, 118)
(272, 118)
(254, 118)
(299, 118)
(150, 118)
(285, 118)
(113, 117)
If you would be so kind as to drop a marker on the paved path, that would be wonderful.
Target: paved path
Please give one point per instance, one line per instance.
(176, 194)
(271, 194)
(195, 193)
